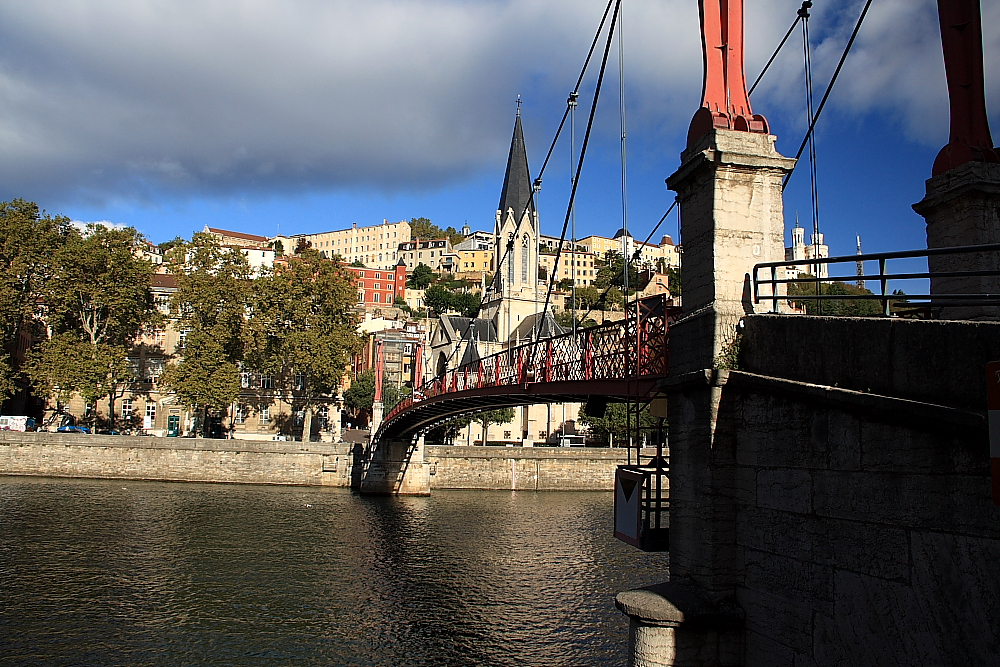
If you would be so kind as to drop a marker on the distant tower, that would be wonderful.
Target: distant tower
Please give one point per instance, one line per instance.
(861, 268)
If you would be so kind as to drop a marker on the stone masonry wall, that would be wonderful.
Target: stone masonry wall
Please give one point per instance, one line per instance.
(865, 530)
(311, 464)
(176, 459)
(537, 469)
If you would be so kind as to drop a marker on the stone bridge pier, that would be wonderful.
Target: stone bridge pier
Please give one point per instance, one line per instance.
(391, 468)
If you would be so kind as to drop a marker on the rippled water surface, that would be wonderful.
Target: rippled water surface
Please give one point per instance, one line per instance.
(142, 573)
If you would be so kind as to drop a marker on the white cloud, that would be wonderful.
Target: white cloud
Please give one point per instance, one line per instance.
(126, 98)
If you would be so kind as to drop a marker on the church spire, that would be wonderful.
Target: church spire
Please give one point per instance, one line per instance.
(516, 192)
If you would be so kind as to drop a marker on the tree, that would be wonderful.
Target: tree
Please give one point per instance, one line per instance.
(29, 240)
(674, 280)
(467, 303)
(213, 305)
(421, 277)
(422, 228)
(498, 416)
(613, 272)
(278, 247)
(438, 299)
(835, 307)
(613, 425)
(361, 395)
(308, 326)
(358, 264)
(566, 284)
(167, 246)
(99, 300)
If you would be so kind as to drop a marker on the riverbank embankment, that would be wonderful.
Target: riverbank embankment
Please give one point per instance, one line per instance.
(295, 463)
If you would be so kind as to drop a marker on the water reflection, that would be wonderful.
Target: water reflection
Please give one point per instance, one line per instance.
(101, 572)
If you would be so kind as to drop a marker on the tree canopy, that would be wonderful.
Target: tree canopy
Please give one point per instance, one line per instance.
(442, 300)
(423, 228)
(421, 277)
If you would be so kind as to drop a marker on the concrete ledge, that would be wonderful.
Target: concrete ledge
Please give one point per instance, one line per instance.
(572, 453)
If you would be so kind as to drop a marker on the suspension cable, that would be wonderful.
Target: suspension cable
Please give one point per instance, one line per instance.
(537, 184)
(776, 51)
(813, 192)
(826, 95)
(583, 154)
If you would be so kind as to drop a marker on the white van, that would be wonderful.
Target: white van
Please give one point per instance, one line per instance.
(571, 441)
(21, 423)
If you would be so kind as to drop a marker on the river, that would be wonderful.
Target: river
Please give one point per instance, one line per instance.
(97, 572)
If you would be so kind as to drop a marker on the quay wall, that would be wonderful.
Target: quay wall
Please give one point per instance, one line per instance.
(865, 533)
(296, 463)
(174, 459)
(528, 468)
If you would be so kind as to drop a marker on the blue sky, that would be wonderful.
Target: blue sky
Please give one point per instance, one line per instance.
(306, 116)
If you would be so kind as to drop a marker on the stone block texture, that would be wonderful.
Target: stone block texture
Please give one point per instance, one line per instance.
(864, 526)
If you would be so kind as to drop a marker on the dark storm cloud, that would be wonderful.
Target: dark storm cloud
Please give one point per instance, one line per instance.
(129, 99)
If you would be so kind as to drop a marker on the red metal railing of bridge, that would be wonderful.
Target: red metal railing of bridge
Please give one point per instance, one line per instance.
(634, 347)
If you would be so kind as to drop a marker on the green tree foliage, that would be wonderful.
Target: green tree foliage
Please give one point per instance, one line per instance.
(565, 319)
(358, 264)
(566, 284)
(442, 300)
(99, 300)
(421, 277)
(423, 228)
(305, 325)
(835, 307)
(167, 246)
(361, 395)
(612, 428)
(213, 305)
(613, 272)
(29, 240)
(498, 416)
(674, 280)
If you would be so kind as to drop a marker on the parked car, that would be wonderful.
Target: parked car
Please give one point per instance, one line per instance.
(73, 429)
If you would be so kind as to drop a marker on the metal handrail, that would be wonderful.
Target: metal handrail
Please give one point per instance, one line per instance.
(938, 300)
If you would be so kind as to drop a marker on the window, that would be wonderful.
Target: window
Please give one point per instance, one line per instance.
(126, 408)
(157, 336)
(506, 435)
(240, 415)
(377, 286)
(265, 415)
(375, 298)
(361, 297)
(266, 382)
(134, 367)
(245, 380)
(378, 275)
(300, 381)
(154, 369)
(151, 411)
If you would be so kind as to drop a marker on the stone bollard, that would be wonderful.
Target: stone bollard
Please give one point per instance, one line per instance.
(675, 625)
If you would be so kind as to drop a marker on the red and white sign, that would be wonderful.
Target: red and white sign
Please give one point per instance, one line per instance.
(993, 405)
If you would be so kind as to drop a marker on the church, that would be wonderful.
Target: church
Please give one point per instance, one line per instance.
(510, 314)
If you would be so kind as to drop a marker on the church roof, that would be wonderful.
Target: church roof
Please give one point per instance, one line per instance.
(516, 192)
(547, 327)
(482, 329)
(471, 353)
(620, 233)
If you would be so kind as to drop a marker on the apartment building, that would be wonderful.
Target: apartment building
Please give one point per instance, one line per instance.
(473, 264)
(577, 266)
(435, 253)
(374, 246)
(380, 287)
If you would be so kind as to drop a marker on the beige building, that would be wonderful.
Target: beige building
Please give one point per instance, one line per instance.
(435, 253)
(650, 255)
(577, 266)
(473, 264)
(374, 246)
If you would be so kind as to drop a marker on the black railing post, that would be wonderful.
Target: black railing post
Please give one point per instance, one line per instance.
(884, 282)
(774, 288)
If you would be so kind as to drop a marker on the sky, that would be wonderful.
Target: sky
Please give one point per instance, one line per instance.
(303, 116)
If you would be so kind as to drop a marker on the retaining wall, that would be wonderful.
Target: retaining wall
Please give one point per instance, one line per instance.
(296, 463)
(174, 459)
(530, 468)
